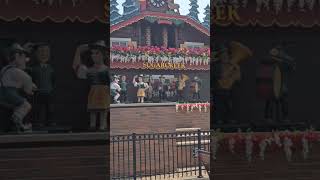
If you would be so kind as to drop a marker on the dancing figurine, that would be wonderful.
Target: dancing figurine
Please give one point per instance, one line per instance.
(98, 76)
(13, 81)
(141, 88)
(195, 88)
(115, 89)
(124, 90)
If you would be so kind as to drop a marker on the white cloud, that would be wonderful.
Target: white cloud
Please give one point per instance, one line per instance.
(184, 7)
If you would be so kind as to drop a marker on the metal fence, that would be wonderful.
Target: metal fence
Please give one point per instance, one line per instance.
(161, 155)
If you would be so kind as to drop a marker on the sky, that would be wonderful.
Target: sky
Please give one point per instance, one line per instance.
(184, 7)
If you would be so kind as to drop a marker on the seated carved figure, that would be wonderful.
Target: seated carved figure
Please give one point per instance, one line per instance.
(173, 7)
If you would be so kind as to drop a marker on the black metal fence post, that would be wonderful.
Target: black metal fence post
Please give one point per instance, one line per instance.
(199, 148)
(134, 156)
(211, 157)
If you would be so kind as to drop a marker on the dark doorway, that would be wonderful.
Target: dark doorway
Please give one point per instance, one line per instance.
(156, 35)
(171, 37)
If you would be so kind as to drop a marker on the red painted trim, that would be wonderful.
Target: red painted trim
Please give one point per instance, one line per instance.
(138, 65)
(161, 21)
(141, 16)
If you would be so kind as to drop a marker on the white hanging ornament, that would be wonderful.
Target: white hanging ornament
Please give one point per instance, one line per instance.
(207, 60)
(112, 57)
(232, 141)
(199, 107)
(205, 108)
(188, 106)
(305, 145)
(277, 139)
(287, 148)
(215, 146)
(182, 107)
(155, 59)
(249, 147)
(122, 59)
(263, 145)
(181, 59)
(197, 61)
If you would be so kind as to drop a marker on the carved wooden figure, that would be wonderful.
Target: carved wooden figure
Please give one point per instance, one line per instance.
(98, 76)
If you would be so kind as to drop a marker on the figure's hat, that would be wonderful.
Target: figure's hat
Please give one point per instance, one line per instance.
(18, 48)
(98, 44)
(116, 77)
(28, 46)
(279, 53)
(141, 75)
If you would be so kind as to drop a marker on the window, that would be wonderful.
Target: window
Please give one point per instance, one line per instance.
(120, 41)
(193, 45)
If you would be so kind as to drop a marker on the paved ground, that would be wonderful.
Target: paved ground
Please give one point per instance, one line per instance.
(205, 177)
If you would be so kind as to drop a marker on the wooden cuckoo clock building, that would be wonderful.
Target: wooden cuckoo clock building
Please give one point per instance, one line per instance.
(152, 38)
(156, 28)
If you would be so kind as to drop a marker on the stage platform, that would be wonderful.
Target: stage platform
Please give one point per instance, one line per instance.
(143, 118)
(54, 156)
(261, 126)
(143, 105)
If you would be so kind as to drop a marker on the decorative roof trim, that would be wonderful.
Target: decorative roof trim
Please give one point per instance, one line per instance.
(143, 15)
(56, 20)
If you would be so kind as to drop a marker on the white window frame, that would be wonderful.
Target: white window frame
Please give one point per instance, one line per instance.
(193, 45)
(120, 40)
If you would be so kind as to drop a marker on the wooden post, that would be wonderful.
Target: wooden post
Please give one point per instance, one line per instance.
(139, 34)
(165, 36)
(176, 37)
(148, 36)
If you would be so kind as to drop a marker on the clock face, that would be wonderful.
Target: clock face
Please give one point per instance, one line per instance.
(157, 3)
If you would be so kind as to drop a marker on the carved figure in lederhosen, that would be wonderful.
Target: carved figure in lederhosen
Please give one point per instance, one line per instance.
(195, 88)
(142, 86)
(162, 92)
(173, 87)
(99, 79)
(150, 90)
(15, 85)
(115, 89)
(124, 89)
(43, 75)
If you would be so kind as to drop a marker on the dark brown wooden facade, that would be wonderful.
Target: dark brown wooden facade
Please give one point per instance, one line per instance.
(177, 34)
(70, 98)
